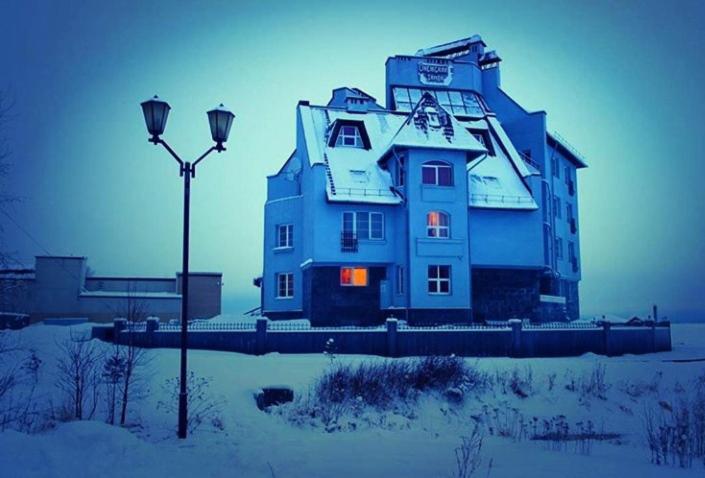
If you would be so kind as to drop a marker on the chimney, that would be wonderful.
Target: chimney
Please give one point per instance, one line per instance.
(489, 64)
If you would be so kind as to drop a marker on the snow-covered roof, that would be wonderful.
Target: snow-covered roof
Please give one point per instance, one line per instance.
(354, 174)
(450, 46)
(342, 185)
(556, 140)
(493, 182)
(430, 126)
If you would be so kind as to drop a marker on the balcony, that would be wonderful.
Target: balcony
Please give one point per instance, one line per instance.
(348, 242)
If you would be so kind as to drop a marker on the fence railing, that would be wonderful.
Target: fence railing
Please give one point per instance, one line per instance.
(514, 338)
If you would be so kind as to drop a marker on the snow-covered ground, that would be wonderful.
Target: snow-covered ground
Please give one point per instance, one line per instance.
(415, 440)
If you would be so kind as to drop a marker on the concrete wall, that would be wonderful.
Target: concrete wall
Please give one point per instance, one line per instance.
(60, 289)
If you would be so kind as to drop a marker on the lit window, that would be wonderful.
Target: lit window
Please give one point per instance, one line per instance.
(363, 225)
(437, 173)
(439, 279)
(353, 276)
(349, 136)
(285, 235)
(285, 285)
(437, 224)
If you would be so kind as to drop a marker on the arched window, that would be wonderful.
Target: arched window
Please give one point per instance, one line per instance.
(437, 224)
(437, 173)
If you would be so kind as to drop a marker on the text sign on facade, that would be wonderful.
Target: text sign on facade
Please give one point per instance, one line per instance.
(435, 73)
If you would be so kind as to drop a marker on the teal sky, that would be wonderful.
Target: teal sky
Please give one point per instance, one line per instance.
(622, 81)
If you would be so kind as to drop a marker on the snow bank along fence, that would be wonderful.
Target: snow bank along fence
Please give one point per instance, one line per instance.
(10, 320)
(393, 339)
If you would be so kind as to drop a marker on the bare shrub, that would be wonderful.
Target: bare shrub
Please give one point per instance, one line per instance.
(505, 421)
(675, 434)
(78, 376)
(594, 385)
(467, 454)
(19, 370)
(383, 384)
(521, 384)
(203, 408)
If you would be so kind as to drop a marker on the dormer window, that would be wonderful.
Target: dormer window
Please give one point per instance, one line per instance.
(349, 136)
(483, 137)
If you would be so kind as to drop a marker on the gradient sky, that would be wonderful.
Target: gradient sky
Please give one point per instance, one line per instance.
(622, 81)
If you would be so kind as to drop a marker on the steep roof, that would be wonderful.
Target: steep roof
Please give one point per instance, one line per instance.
(356, 174)
(430, 126)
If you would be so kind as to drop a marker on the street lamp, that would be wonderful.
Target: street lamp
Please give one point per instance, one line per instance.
(155, 113)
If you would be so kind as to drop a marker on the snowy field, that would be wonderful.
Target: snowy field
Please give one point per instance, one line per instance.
(413, 439)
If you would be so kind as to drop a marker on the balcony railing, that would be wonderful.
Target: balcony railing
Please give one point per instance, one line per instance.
(348, 242)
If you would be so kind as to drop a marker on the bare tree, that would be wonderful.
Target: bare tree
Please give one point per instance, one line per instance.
(79, 375)
(133, 357)
(5, 107)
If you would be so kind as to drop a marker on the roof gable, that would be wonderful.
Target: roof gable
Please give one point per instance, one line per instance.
(430, 126)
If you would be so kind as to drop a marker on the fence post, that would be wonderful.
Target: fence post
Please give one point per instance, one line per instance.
(515, 349)
(606, 326)
(118, 326)
(152, 324)
(392, 327)
(261, 337)
(654, 347)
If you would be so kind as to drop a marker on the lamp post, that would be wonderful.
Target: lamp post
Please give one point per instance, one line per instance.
(156, 112)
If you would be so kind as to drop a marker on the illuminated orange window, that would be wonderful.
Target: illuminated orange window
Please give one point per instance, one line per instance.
(353, 276)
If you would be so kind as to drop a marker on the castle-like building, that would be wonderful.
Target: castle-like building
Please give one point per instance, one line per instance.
(450, 203)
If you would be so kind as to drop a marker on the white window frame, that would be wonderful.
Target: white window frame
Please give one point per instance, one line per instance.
(289, 236)
(349, 136)
(436, 166)
(370, 214)
(439, 229)
(288, 284)
(434, 278)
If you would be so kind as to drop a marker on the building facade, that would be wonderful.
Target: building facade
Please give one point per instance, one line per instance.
(450, 203)
(60, 287)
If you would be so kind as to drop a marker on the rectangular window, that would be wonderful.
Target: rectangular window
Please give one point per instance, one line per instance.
(400, 280)
(439, 280)
(559, 248)
(557, 207)
(567, 174)
(437, 173)
(376, 226)
(364, 225)
(569, 211)
(285, 236)
(285, 285)
(353, 276)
